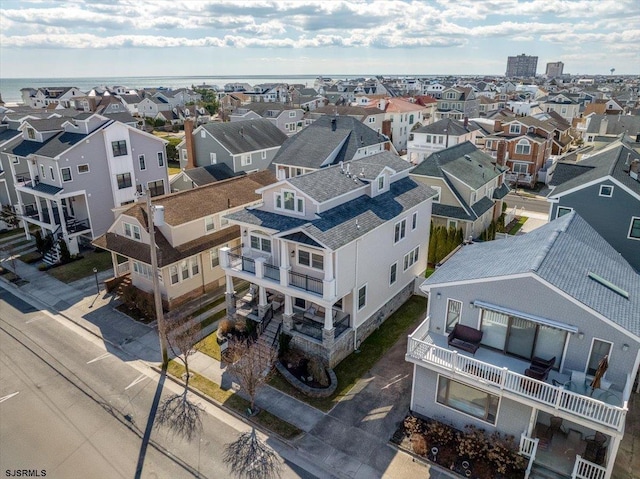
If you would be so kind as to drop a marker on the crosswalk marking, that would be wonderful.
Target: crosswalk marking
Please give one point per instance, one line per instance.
(139, 379)
(104, 356)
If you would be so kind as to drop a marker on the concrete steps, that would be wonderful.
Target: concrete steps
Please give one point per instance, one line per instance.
(268, 336)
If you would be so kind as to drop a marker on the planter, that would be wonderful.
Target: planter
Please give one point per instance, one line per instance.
(307, 389)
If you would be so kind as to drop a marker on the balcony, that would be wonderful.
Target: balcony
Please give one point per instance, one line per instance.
(495, 370)
(305, 282)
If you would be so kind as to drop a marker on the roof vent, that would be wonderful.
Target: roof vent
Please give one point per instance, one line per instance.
(608, 284)
(467, 157)
(362, 171)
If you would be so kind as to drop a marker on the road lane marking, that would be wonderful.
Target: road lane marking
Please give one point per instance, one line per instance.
(139, 379)
(3, 399)
(104, 356)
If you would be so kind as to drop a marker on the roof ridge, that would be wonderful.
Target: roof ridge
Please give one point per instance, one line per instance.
(548, 246)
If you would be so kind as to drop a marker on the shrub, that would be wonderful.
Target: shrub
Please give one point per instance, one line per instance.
(43, 267)
(472, 443)
(225, 327)
(317, 370)
(418, 444)
(284, 344)
(65, 255)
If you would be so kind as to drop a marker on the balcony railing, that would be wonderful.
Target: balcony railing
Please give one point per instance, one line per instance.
(75, 226)
(506, 380)
(306, 282)
(271, 272)
(242, 262)
(583, 469)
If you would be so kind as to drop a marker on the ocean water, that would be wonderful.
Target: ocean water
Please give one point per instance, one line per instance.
(10, 87)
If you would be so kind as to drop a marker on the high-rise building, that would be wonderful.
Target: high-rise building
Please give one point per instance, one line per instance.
(522, 66)
(554, 69)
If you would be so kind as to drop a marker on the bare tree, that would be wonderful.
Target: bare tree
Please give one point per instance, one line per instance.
(252, 366)
(177, 412)
(250, 458)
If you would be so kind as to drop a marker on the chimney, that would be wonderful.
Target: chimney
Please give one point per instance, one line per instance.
(497, 125)
(637, 137)
(604, 123)
(466, 121)
(501, 153)
(189, 143)
(333, 124)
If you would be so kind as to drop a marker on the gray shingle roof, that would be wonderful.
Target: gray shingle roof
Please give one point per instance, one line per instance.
(48, 124)
(628, 124)
(248, 135)
(328, 183)
(347, 222)
(562, 253)
(447, 126)
(501, 191)
(204, 175)
(448, 211)
(50, 148)
(464, 162)
(311, 147)
(610, 161)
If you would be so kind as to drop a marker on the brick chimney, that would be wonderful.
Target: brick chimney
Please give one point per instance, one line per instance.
(189, 143)
(466, 122)
(501, 153)
(497, 125)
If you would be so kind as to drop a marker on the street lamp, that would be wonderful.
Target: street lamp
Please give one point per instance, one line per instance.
(156, 284)
(95, 273)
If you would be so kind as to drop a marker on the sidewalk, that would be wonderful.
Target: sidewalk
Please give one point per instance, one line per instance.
(95, 312)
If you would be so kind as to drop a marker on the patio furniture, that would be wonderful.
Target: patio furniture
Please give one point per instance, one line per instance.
(535, 373)
(555, 426)
(539, 368)
(596, 450)
(465, 338)
(543, 363)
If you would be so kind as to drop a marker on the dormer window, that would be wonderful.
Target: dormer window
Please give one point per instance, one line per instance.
(132, 231)
(288, 201)
(514, 129)
(119, 147)
(31, 133)
(380, 183)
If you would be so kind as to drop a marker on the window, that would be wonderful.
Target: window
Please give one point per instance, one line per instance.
(520, 168)
(31, 133)
(381, 183)
(599, 349)
(173, 272)
(245, 160)
(523, 147)
(362, 297)
(438, 190)
(195, 268)
(606, 190)
(185, 155)
(119, 147)
(393, 273)
(66, 174)
(82, 169)
(411, 119)
(123, 180)
(563, 210)
(514, 129)
(223, 221)
(142, 269)
(15, 160)
(292, 114)
(428, 138)
(634, 228)
(209, 225)
(132, 231)
(263, 154)
(51, 172)
(42, 172)
(473, 198)
(371, 119)
(261, 244)
(450, 95)
(468, 400)
(400, 230)
(414, 221)
(411, 258)
(310, 260)
(142, 163)
(213, 157)
(203, 134)
(286, 200)
(184, 267)
(454, 308)
(452, 224)
(155, 188)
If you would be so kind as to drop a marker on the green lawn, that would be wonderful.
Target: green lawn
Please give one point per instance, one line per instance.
(372, 349)
(515, 228)
(233, 401)
(82, 268)
(173, 171)
(210, 346)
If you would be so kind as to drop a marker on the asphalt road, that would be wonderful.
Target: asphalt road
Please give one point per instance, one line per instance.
(70, 409)
(530, 203)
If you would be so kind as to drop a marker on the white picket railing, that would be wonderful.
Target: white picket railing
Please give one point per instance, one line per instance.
(583, 469)
(123, 268)
(528, 448)
(501, 377)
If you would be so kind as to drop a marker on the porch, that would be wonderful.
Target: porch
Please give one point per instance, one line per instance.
(506, 376)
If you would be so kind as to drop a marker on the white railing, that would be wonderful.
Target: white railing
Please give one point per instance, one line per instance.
(122, 268)
(583, 469)
(528, 448)
(504, 379)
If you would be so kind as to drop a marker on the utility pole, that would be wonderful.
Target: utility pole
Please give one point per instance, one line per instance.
(156, 284)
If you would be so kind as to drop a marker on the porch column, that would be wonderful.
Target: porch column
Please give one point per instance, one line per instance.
(38, 208)
(328, 318)
(284, 255)
(613, 452)
(287, 317)
(63, 223)
(262, 299)
(224, 259)
(229, 295)
(114, 263)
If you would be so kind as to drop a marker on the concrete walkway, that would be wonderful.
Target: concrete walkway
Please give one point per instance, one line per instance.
(349, 442)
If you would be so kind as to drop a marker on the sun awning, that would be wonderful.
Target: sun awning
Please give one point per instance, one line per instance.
(531, 317)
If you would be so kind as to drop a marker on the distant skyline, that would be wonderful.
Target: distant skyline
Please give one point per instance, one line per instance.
(110, 38)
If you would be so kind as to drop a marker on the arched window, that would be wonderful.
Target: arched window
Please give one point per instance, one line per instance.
(523, 147)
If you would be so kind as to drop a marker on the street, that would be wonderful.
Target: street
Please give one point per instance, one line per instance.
(71, 409)
(535, 204)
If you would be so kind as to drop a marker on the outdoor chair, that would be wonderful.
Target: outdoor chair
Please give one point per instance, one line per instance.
(596, 450)
(555, 426)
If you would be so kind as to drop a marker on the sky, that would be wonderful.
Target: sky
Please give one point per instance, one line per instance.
(112, 38)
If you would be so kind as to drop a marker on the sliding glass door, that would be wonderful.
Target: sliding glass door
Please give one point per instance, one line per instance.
(522, 338)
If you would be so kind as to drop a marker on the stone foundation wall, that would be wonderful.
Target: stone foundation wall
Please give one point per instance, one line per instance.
(185, 298)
